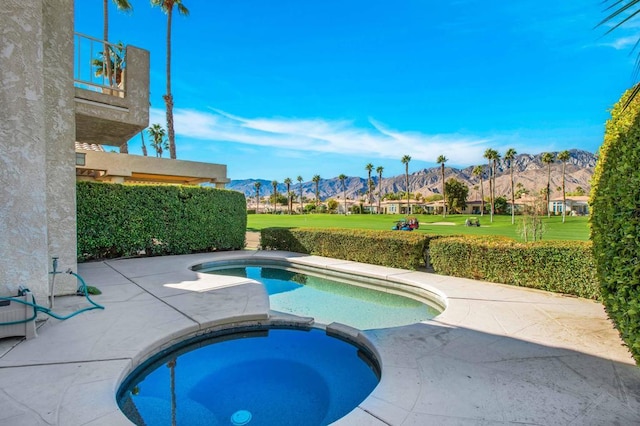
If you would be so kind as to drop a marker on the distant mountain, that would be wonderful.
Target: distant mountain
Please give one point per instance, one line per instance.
(528, 170)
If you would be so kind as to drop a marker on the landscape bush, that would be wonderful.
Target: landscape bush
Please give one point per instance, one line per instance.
(127, 220)
(558, 266)
(615, 220)
(395, 249)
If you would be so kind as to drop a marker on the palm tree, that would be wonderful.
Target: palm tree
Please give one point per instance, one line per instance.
(492, 156)
(110, 65)
(379, 170)
(257, 185)
(509, 156)
(369, 169)
(441, 160)
(405, 160)
(564, 157)
(478, 172)
(167, 7)
(547, 158)
(316, 180)
(287, 181)
(342, 179)
(274, 184)
(123, 5)
(158, 142)
(299, 179)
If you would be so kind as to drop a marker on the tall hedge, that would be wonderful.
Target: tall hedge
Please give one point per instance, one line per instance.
(396, 249)
(126, 220)
(558, 266)
(615, 220)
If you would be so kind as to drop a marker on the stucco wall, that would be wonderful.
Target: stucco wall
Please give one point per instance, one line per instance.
(37, 212)
(60, 138)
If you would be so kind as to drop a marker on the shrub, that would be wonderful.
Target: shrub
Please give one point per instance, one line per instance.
(388, 248)
(615, 220)
(564, 267)
(125, 220)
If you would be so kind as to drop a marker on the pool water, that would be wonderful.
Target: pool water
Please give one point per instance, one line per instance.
(330, 301)
(276, 377)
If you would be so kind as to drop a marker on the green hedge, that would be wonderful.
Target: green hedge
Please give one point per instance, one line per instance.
(396, 249)
(615, 220)
(563, 267)
(559, 266)
(127, 220)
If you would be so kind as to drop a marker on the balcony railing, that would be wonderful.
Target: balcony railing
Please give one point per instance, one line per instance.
(95, 71)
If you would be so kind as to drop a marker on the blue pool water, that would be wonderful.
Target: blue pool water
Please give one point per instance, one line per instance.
(276, 377)
(330, 301)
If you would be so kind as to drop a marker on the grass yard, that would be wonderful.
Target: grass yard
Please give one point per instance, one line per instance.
(574, 229)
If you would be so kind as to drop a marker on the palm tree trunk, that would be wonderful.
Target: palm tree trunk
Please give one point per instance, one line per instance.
(493, 194)
(564, 196)
(407, 182)
(106, 50)
(379, 191)
(144, 147)
(548, 189)
(344, 196)
(490, 194)
(444, 196)
(513, 201)
(481, 196)
(168, 98)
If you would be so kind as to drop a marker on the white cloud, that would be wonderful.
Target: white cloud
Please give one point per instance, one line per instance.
(294, 136)
(622, 42)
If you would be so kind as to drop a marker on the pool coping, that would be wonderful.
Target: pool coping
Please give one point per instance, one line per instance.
(493, 356)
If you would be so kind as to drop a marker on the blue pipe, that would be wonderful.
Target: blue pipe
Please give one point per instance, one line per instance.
(39, 308)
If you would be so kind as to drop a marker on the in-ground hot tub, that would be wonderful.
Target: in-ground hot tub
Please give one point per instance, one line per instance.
(252, 376)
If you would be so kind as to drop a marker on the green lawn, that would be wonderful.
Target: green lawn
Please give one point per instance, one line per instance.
(575, 228)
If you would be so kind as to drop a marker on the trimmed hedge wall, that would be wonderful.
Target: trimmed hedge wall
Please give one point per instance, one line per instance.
(128, 220)
(396, 249)
(558, 266)
(615, 220)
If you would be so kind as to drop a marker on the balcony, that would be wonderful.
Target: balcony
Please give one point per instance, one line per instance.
(111, 96)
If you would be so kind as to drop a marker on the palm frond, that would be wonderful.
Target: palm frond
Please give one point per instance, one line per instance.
(625, 7)
(620, 8)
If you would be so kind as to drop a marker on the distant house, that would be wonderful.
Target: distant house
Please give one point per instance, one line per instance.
(435, 207)
(400, 207)
(576, 205)
(350, 204)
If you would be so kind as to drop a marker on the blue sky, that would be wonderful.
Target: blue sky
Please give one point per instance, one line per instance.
(282, 88)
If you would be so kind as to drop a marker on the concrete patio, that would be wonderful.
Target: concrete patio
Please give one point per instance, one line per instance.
(497, 355)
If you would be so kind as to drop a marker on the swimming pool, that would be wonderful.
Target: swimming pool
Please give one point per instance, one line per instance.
(328, 300)
(256, 377)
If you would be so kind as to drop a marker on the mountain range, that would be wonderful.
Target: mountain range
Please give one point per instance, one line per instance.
(528, 170)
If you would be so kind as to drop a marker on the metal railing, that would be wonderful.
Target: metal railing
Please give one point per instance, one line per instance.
(95, 71)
